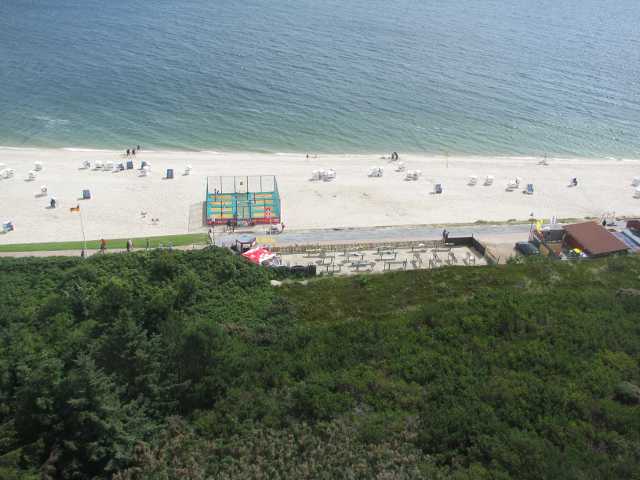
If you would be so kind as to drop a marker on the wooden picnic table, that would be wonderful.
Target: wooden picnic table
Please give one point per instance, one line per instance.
(389, 263)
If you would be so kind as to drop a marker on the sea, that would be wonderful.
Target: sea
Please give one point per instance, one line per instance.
(477, 77)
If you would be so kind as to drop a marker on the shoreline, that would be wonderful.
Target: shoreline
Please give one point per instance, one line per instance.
(432, 155)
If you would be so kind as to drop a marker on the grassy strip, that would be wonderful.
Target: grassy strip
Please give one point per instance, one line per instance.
(120, 243)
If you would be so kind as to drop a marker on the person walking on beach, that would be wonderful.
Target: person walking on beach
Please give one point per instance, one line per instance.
(133, 152)
(128, 152)
(103, 245)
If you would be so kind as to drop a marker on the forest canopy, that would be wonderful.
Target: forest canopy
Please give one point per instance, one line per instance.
(191, 365)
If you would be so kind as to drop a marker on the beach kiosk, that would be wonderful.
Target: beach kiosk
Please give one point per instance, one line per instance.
(244, 243)
(243, 200)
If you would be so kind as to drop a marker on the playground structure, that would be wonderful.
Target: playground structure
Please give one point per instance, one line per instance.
(243, 200)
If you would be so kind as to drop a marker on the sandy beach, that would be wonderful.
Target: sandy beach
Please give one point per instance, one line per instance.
(351, 200)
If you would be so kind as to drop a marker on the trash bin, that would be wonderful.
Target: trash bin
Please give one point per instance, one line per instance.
(169, 172)
(86, 194)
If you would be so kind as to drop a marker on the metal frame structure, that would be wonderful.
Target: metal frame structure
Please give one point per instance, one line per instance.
(243, 200)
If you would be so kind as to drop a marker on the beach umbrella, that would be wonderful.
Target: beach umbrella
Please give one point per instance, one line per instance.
(258, 255)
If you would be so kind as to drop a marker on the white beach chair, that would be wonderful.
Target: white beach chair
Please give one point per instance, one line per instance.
(635, 182)
(489, 180)
(32, 175)
(86, 165)
(317, 175)
(4, 174)
(637, 193)
(2, 167)
(412, 175)
(329, 175)
(145, 172)
(187, 170)
(376, 171)
(400, 167)
(473, 180)
(98, 165)
(7, 173)
(37, 166)
(513, 184)
(108, 166)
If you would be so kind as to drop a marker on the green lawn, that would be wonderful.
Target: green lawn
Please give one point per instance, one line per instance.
(174, 240)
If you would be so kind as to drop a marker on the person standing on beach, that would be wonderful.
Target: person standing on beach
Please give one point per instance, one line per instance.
(128, 152)
(103, 245)
(129, 245)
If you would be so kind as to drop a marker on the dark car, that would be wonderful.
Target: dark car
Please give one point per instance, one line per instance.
(527, 249)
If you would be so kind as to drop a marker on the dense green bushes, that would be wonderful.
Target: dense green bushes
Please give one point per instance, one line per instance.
(141, 363)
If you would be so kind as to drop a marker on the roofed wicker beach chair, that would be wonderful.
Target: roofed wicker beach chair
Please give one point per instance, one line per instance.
(376, 172)
(489, 180)
(635, 182)
(473, 180)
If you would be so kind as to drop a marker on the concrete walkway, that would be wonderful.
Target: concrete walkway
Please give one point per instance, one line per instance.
(499, 235)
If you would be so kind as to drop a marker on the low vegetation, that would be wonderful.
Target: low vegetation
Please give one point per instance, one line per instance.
(189, 365)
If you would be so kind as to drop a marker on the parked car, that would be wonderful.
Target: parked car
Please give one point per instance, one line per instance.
(527, 249)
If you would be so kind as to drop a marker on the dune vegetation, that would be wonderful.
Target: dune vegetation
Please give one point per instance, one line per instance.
(190, 365)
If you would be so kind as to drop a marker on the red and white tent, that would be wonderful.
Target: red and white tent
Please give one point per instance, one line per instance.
(258, 255)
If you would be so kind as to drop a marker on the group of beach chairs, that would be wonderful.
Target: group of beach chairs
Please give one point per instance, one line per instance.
(325, 175)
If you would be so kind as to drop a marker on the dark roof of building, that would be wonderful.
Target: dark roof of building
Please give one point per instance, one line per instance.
(595, 239)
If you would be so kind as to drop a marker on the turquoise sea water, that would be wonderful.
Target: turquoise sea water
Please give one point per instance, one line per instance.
(504, 77)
